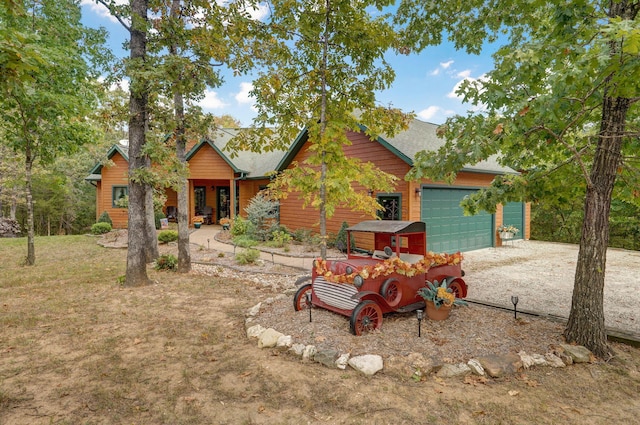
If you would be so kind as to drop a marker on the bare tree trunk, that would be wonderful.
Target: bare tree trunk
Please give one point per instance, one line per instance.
(586, 320)
(151, 244)
(184, 250)
(31, 247)
(136, 274)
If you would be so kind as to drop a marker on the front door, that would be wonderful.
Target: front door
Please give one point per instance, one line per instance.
(223, 201)
(200, 198)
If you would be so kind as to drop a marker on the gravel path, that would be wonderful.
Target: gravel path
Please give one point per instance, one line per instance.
(541, 274)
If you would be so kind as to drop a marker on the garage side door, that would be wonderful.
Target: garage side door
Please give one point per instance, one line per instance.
(448, 229)
(513, 214)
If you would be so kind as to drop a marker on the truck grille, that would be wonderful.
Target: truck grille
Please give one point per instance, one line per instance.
(335, 294)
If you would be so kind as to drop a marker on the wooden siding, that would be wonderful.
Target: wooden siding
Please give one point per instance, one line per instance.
(294, 216)
(113, 175)
(207, 164)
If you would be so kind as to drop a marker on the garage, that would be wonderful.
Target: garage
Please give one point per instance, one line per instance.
(448, 229)
(513, 214)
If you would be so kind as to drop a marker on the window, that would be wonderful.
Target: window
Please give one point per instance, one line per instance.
(392, 205)
(119, 196)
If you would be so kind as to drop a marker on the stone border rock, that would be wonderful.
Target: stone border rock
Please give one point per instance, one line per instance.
(413, 365)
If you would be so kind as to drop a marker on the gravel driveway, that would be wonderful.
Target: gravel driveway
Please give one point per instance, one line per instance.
(541, 274)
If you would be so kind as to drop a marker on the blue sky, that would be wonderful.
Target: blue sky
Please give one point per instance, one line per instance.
(425, 83)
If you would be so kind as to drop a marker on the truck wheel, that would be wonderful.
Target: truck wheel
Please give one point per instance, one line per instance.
(366, 317)
(391, 292)
(300, 298)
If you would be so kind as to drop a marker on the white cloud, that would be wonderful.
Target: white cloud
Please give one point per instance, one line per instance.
(101, 10)
(243, 96)
(260, 12)
(427, 114)
(443, 65)
(211, 101)
(464, 74)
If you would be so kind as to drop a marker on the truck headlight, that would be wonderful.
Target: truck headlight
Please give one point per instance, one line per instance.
(349, 270)
(358, 281)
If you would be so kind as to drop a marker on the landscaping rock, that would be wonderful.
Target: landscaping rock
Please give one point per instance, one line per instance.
(342, 361)
(254, 310)
(497, 366)
(309, 352)
(369, 364)
(326, 357)
(553, 360)
(476, 367)
(297, 349)
(255, 331)
(269, 338)
(578, 353)
(285, 341)
(453, 370)
(409, 365)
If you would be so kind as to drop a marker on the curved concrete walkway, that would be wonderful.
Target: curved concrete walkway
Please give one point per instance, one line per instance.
(205, 236)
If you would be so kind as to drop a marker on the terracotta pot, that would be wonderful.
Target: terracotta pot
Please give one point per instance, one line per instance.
(434, 313)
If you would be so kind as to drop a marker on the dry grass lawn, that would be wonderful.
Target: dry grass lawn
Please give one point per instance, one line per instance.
(77, 348)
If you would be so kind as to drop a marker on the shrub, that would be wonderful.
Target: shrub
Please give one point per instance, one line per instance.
(100, 228)
(167, 236)
(157, 216)
(241, 226)
(244, 241)
(166, 262)
(341, 239)
(105, 218)
(247, 256)
(280, 238)
(263, 213)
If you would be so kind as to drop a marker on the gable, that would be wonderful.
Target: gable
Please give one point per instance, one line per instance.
(418, 137)
(207, 162)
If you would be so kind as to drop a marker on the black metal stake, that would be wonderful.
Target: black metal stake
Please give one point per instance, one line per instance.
(308, 296)
(419, 315)
(514, 300)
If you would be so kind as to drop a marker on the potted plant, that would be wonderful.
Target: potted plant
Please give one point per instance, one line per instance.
(197, 221)
(507, 231)
(226, 223)
(439, 299)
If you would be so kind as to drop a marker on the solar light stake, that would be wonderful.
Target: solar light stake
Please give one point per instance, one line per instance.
(208, 247)
(419, 316)
(514, 300)
(308, 296)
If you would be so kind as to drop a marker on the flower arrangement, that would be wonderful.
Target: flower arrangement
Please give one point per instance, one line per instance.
(225, 221)
(389, 266)
(508, 228)
(197, 219)
(440, 294)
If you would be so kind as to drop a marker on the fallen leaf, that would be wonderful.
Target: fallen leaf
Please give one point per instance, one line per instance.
(513, 393)
(137, 341)
(498, 129)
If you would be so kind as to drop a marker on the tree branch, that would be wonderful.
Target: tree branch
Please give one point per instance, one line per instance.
(114, 14)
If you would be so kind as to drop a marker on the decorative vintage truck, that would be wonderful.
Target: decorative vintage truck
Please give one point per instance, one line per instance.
(370, 283)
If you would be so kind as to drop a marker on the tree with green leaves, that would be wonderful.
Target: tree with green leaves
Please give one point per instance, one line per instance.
(321, 64)
(176, 47)
(562, 99)
(48, 96)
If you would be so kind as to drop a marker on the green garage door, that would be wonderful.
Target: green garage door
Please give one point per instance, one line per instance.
(513, 214)
(448, 229)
